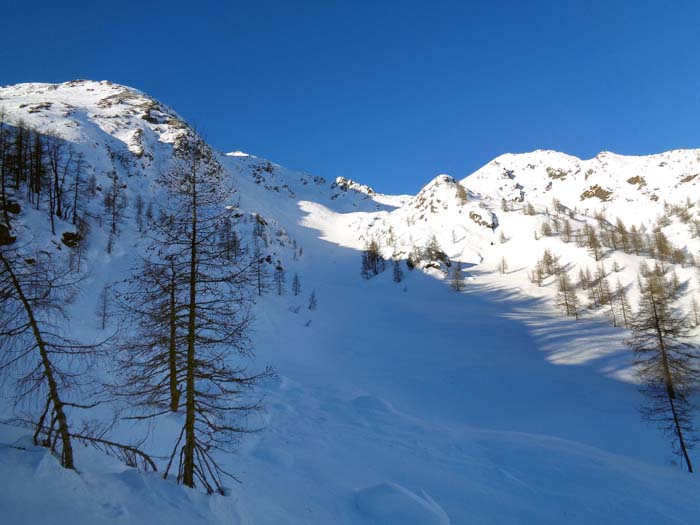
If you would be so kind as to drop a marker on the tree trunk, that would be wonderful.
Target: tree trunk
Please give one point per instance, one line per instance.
(172, 345)
(67, 448)
(670, 390)
(188, 463)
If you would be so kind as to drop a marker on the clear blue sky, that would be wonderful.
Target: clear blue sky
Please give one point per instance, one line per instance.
(388, 93)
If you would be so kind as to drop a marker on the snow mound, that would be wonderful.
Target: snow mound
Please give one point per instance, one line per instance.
(372, 405)
(87, 497)
(390, 503)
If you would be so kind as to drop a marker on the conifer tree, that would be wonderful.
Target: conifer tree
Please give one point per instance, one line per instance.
(46, 366)
(151, 360)
(258, 268)
(397, 272)
(280, 280)
(567, 299)
(139, 212)
(621, 296)
(566, 231)
(214, 306)
(593, 243)
(456, 280)
(296, 285)
(694, 312)
(503, 266)
(32, 293)
(372, 260)
(666, 363)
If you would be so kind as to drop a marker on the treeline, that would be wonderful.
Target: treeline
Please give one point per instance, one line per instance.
(183, 316)
(605, 237)
(667, 362)
(431, 255)
(41, 169)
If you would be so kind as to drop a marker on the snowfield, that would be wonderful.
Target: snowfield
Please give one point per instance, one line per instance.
(394, 403)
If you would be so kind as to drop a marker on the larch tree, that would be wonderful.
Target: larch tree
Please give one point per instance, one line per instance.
(50, 370)
(280, 279)
(216, 304)
(34, 296)
(621, 297)
(456, 279)
(151, 359)
(258, 268)
(372, 260)
(567, 299)
(397, 272)
(114, 204)
(296, 285)
(695, 312)
(666, 364)
(503, 266)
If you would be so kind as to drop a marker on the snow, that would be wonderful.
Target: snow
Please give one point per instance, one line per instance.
(392, 503)
(393, 403)
(42, 492)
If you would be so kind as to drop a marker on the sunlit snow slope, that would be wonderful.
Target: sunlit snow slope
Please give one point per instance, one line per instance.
(395, 403)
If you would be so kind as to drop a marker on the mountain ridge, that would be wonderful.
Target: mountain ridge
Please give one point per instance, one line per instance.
(403, 402)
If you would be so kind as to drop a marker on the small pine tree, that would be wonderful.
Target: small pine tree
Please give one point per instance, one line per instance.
(456, 281)
(567, 299)
(280, 279)
(537, 274)
(104, 306)
(397, 272)
(694, 308)
(594, 244)
(139, 212)
(91, 185)
(258, 268)
(636, 242)
(584, 280)
(503, 266)
(566, 231)
(296, 285)
(621, 296)
(546, 229)
(372, 260)
(312, 300)
(549, 262)
(623, 235)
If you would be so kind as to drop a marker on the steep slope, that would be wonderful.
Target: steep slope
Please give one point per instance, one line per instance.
(394, 403)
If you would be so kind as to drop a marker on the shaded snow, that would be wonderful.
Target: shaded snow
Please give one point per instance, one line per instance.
(402, 403)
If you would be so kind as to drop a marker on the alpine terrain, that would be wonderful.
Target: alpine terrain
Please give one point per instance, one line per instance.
(195, 336)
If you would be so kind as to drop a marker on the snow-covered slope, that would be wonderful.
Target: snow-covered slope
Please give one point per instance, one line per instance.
(394, 403)
(632, 187)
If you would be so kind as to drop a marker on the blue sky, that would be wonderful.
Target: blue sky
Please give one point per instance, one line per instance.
(388, 93)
